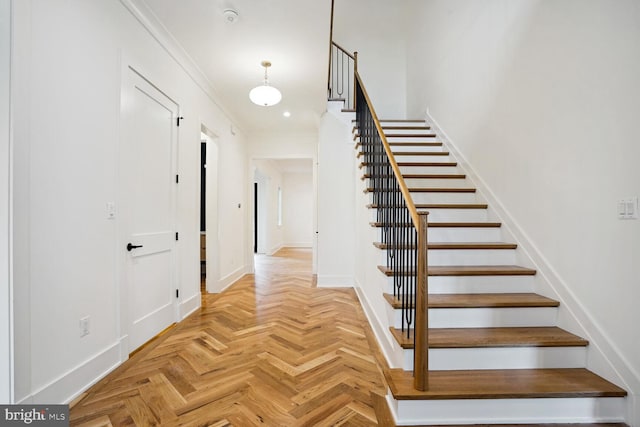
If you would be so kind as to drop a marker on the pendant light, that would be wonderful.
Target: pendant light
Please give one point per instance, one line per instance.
(264, 94)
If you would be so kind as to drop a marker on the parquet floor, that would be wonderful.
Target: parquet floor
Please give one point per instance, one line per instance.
(272, 350)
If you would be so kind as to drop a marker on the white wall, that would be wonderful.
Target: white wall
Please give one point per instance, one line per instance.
(336, 211)
(542, 98)
(6, 345)
(289, 145)
(374, 29)
(69, 57)
(297, 208)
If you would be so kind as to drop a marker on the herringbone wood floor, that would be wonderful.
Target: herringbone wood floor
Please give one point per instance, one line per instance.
(271, 350)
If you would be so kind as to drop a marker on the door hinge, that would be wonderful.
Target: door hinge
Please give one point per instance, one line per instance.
(176, 235)
(177, 179)
(178, 120)
(177, 293)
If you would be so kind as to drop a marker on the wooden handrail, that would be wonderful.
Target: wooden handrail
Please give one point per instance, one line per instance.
(346, 52)
(415, 217)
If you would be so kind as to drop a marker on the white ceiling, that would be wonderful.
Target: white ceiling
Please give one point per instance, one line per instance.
(292, 34)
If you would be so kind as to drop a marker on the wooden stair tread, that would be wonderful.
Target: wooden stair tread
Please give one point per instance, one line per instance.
(465, 224)
(503, 384)
(439, 206)
(421, 153)
(402, 144)
(419, 176)
(409, 135)
(406, 144)
(456, 245)
(424, 127)
(511, 300)
(411, 153)
(399, 135)
(481, 270)
(449, 224)
(429, 190)
(403, 120)
(493, 337)
(469, 270)
(414, 164)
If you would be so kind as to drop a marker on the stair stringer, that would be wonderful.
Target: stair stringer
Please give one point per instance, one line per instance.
(603, 357)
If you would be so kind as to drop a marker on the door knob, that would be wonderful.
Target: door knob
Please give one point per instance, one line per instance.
(131, 246)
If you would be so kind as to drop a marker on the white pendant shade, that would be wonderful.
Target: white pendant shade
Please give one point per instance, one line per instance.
(265, 95)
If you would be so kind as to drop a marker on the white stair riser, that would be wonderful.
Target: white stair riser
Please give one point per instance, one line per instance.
(472, 257)
(478, 284)
(422, 148)
(445, 359)
(439, 198)
(464, 234)
(446, 215)
(487, 317)
(492, 317)
(400, 158)
(436, 183)
(458, 215)
(462, 256)
(429, 169)
(423, 130)
(413, 138)
(516, 411)
(392, 122)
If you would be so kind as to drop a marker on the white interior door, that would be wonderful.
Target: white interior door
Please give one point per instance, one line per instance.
(147, 208)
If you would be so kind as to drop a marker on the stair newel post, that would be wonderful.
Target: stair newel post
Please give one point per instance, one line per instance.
(421, 328)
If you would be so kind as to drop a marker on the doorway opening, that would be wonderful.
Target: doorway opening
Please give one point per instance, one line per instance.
(203, 216)
(209, 250)
(283, 204)
(255, 217)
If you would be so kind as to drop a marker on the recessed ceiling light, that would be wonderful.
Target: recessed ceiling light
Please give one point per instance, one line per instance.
(286, 114)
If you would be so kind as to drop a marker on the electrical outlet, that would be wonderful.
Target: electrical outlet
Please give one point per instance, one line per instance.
(84, 326)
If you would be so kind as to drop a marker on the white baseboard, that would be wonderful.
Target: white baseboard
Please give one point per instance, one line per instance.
(274, 249)
(71, 384)
(603, 355)
(231, 278)
(189, 305)
(307, 245)
(335, 281)
(380, 330)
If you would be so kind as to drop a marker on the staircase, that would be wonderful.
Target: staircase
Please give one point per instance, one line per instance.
(496, 355)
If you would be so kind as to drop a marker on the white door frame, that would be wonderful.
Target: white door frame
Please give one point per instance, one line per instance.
(6, 207)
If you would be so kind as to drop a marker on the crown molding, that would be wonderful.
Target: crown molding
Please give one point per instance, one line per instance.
(149, 20)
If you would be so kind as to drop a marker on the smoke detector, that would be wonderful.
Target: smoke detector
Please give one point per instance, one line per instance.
(230, 15)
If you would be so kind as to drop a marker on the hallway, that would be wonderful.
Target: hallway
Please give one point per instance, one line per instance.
(270, 350)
